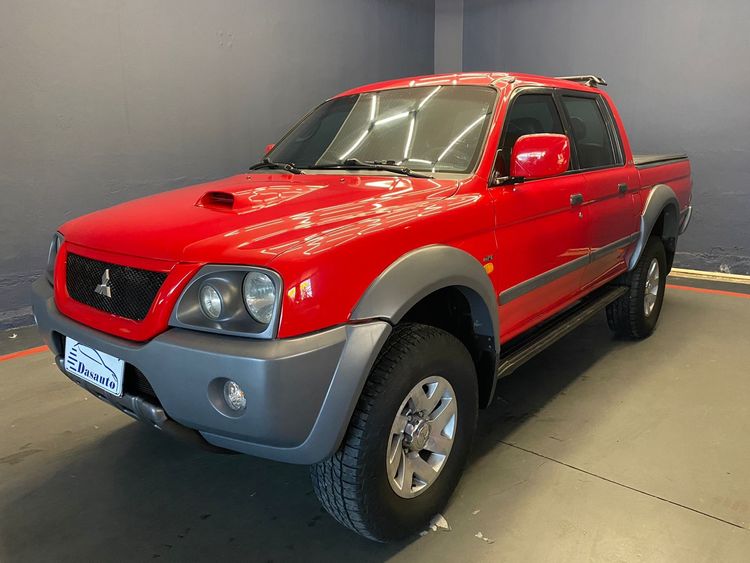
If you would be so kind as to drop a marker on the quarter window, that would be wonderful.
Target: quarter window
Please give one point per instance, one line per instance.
(590, 134)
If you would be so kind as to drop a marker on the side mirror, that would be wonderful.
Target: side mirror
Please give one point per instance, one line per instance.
(269, 148)
(539, 156)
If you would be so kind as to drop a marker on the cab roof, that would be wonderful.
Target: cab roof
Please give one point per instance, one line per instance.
(492, 79)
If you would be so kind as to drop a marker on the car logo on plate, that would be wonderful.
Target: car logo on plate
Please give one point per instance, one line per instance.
(104, 287)
(93, 361)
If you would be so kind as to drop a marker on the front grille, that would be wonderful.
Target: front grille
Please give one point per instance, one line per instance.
(131, 290)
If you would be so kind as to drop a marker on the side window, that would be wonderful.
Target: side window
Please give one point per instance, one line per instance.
(590, 134)
(530, 113)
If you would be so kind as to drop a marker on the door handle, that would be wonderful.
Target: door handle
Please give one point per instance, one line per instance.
(576, 199)
(622, 188)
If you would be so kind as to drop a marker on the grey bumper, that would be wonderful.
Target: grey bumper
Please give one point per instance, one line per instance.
(300, 391)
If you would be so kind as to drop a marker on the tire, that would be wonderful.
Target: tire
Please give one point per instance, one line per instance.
(354, 485)
(628, 316)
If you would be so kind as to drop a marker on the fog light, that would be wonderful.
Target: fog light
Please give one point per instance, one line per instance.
(234, 395)
(211, 302)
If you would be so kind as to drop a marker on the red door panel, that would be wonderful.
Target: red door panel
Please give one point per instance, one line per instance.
(612, 220)
(542, 249)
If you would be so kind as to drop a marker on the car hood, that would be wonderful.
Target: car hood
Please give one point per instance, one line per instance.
(248, 218)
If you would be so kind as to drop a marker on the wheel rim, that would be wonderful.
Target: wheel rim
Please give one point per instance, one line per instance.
(421, 436)
(652, 287)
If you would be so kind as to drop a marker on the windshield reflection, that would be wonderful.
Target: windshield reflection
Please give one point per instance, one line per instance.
(424, 128)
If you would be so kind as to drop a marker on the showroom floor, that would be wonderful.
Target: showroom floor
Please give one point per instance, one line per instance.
(597, 450)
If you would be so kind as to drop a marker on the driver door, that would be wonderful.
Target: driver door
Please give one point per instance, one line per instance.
(539, 225)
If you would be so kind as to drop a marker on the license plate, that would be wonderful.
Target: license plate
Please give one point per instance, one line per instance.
(95, 367)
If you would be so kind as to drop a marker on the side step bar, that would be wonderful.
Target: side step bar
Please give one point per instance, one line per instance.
(522, 348)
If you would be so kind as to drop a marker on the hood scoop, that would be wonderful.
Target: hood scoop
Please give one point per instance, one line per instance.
(254, 199)
(222, 201)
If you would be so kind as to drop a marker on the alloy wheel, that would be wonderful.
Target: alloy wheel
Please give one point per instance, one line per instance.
(421, 436)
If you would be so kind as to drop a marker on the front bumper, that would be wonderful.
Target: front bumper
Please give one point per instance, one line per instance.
(300, 391)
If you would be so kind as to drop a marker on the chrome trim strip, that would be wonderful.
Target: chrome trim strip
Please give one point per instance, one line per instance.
(549, 276)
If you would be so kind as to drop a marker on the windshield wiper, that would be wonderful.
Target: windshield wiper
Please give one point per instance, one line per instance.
(267, 163)
(356, 164)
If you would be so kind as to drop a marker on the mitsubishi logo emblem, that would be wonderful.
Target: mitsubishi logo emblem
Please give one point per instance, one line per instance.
(104, 287)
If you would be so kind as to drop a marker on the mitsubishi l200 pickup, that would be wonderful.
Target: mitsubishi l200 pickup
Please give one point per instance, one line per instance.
(350, 302)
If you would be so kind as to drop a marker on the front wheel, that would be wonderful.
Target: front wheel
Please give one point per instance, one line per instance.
(408, 439)
(634, 315)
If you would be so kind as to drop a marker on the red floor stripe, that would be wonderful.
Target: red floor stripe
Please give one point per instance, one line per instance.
(22, 353)
(711, 291)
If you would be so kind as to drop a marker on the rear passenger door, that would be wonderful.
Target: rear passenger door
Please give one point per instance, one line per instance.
(610, 187)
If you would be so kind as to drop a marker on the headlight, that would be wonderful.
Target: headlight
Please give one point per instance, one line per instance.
(235, 300)
(259, 293)
(211, 302)
(54, 247)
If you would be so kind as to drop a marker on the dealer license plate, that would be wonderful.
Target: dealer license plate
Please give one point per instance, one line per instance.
(95, 367)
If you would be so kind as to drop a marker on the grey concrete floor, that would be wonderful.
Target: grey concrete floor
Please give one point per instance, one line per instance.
(598, 450)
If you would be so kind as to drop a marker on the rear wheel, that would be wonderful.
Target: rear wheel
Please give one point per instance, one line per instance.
(408, 439)
(634, 315)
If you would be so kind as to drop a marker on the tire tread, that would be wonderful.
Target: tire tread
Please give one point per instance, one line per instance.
(624, 315)
(339, 481)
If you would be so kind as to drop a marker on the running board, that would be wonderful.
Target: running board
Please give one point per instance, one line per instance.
(522, 348)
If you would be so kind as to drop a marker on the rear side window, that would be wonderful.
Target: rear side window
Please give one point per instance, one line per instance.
(529, 114)
(590, 133)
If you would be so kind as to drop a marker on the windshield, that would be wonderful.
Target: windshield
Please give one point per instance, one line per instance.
(435, 129)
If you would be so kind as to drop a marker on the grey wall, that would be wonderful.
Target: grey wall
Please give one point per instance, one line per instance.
(449, 35)
(679, 71)
(103, 101)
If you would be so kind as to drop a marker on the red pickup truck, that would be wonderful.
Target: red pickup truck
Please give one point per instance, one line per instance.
(351, 301)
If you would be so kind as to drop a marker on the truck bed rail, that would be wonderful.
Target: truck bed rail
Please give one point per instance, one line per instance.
(644, 160)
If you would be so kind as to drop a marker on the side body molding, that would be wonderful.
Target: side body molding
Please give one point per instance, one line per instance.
(660, 199)
(420, 272)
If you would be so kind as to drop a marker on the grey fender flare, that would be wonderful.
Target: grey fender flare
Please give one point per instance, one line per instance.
(423, 271)
(661, 198)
